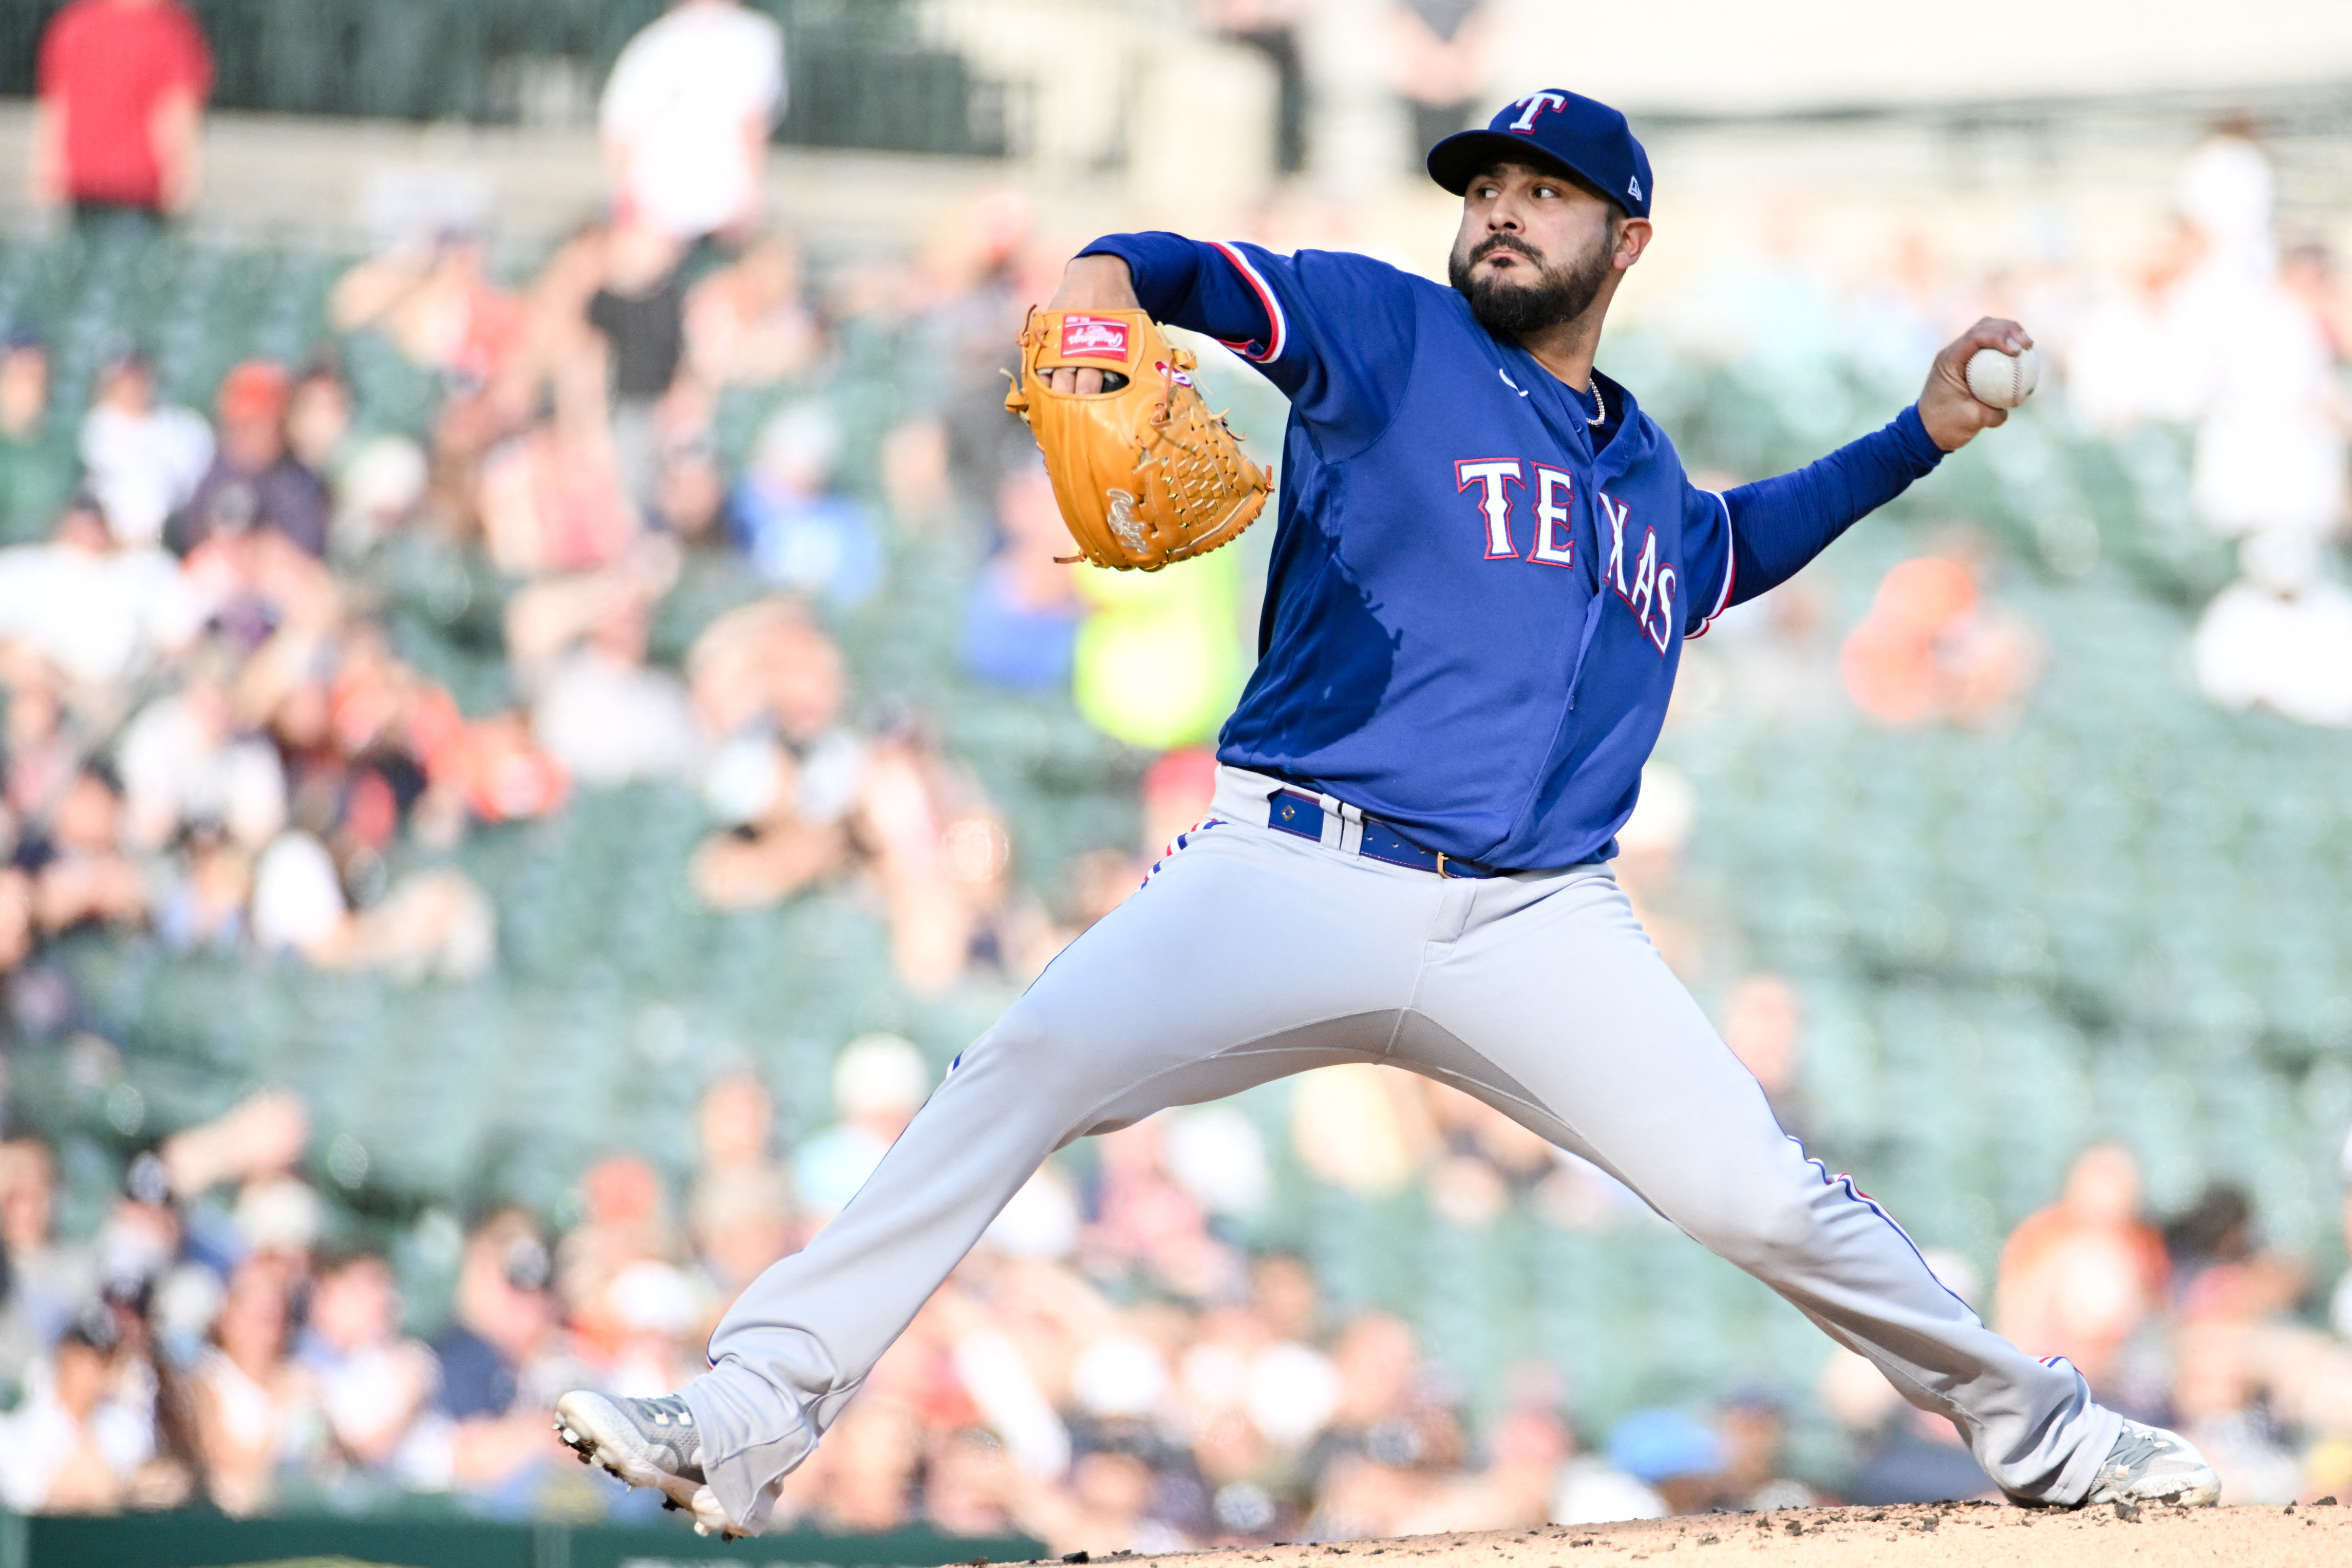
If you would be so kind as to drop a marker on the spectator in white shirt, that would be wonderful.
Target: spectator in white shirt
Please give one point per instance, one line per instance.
(685, 116)
(578, 646)
(185, 763)
(374, 1381)
(100, 613)
(607, 715)
(2281, 637)
(69, 1448)
(144, 460)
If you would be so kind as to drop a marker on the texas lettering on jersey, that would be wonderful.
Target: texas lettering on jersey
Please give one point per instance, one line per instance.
(1646, 584)
(1650, 593)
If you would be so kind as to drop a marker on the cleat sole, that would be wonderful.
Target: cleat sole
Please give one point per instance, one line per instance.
(578, 1430)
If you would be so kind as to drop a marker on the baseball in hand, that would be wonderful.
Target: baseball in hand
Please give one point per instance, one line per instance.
(2002, 381)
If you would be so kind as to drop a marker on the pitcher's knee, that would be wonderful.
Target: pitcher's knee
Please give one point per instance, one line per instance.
(1760, 1227)
(1028, 1038)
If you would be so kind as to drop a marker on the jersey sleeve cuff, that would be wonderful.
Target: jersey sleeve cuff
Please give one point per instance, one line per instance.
(1269, 347)
(1911, 434)
(1730, 573)
(1163, 265)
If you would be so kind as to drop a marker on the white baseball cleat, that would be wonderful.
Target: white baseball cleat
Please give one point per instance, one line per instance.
(2149, 1464)
(646, 1443)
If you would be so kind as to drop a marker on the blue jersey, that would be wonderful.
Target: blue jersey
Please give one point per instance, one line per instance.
(1473, 618)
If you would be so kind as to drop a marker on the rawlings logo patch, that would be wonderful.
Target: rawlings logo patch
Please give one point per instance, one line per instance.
(1094, 338)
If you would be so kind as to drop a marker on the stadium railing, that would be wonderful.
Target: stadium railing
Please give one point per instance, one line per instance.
(212, 1541)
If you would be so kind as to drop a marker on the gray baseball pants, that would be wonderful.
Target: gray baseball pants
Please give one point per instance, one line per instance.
(1251, 955)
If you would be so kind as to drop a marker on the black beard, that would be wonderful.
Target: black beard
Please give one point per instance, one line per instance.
(1511, 310)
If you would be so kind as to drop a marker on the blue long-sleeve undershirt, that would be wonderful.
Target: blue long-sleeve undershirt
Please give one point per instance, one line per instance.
(1780, 524)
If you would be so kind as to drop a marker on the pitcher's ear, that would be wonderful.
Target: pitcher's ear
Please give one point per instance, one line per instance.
(1633, 236)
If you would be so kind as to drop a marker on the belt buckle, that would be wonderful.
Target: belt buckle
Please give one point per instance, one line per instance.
(1444, 876)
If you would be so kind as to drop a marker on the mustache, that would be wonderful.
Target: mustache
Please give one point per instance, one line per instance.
(1513, 307)
(1510, 242)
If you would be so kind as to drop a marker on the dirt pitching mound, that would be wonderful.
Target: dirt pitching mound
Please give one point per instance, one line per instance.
(1964, 1535)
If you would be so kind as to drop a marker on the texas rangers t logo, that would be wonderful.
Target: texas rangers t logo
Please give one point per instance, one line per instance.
(1534, 104)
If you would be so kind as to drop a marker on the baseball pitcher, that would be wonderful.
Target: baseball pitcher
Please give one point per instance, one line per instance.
(1487, 558)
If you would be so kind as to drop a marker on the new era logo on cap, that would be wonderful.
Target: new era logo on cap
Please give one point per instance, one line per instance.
(1634, 187)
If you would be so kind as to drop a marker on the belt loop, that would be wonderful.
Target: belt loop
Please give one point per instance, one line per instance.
(1335, 830)
(1351, 823)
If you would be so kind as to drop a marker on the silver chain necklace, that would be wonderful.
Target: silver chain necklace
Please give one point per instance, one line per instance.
(1603, 417)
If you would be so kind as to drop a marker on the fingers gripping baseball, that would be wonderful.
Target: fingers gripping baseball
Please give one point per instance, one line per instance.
(1952, 414)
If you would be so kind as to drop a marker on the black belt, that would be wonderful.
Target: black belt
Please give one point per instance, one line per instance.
(1302, 816)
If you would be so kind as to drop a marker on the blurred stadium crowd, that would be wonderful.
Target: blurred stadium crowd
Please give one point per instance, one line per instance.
(416, 663)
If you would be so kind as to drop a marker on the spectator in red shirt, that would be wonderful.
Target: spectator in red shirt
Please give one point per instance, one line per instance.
(122, 85)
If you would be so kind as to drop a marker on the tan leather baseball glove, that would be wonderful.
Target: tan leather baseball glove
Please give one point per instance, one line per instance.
(1145, 473)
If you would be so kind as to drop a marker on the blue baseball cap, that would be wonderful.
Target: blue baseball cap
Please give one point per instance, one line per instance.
(1657, 1445)
(1583, 135)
